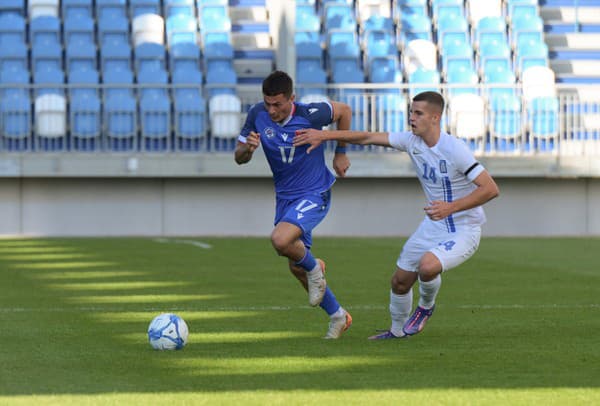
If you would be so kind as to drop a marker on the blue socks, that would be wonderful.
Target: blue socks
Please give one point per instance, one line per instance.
(308, 262)
(329, 303)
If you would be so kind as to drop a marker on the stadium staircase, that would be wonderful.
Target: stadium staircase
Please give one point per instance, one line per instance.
(253, 50)
(573, 36)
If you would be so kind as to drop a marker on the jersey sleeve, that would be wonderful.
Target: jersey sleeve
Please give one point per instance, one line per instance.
(466, 162)
(400, 140)
(249, 124)
(320, 114)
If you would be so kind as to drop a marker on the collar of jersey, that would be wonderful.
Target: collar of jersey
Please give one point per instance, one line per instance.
(287, 120)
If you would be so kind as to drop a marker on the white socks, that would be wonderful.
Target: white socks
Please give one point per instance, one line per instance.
(428, 291)
(400, 307)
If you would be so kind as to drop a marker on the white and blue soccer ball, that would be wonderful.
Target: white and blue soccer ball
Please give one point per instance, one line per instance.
(167, 331)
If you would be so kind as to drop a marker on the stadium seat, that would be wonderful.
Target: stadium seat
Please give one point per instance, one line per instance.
(385, 70)
(377, 22)
(155, 109)
(220, 79)
(77, 9)
(141, 7)
(390, 112)
(12, 29)
(378, 43)
(38, 8)
(15, 116)
(213, 18)
(531, 54)
(225, 120)
(467, 119)
(49, 81)
(542, 113)
(459, 79)
(46, 44)
(115, 55)
(84, 111)
(505, 122)
(179, 7)
(189, 110)
(50, 121)
(185, 56)
(80, 45)
(111, 9)
(14, 56)
(367, 8)
(538, 81)
(120, 111)
(419, 53)
(148, 28)
(413, 27)
(478, 10)
(181, 28)
(339, 16)
(422, 80)
(150, 56)
(12, 7)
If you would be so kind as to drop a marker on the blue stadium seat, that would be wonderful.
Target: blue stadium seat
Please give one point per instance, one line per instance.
(456, 55)
(139, 7)
(505, 122)
(12, 7)
(428, 80)
(385, 69)
(307, 19)
(492, 54)
(110, 9)
(490, 29)
(46, 44)
(77, 9)
(531, 54)
(339, 16)
(184, 56)
(189, 111)
(150, 56)
(12, 29)
(79, 29)
(115, 55)
(378, 22)
(526, 24)
(80, 46)
(390, 112)
(414, 26)
(461, 77)
(84, 113)
(113, 29)
(500, 75)
(181, 28)
(310, 78)
(15, 109)
(214, 18)
(347, 71)
(220, 79)
(179, 7)
(155, 109)
(120, 111)
(542, 113)
(49, 81)
(378, 43)
(13, 56)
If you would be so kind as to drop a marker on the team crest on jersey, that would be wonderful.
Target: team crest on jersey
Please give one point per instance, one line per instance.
(312, 110)
(269, 132)
(443, 167)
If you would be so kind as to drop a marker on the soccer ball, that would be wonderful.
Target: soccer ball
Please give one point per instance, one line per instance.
(167, 332)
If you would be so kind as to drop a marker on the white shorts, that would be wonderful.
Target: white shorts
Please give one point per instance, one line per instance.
(452, 249)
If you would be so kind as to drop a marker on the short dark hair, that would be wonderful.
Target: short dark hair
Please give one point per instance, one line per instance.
(432, 98)
(276, 83)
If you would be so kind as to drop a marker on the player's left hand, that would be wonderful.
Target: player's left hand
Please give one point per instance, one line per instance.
(308, 136)
(438, 210)
(341, 163)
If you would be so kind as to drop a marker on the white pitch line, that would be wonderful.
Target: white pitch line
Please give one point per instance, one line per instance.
(281, 308)
(198, 244)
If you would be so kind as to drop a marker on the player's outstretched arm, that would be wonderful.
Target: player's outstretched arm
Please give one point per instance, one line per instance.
(342, 116)
(243, 152)
(317, 137)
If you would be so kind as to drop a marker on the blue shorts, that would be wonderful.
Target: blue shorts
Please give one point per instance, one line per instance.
(305, 212)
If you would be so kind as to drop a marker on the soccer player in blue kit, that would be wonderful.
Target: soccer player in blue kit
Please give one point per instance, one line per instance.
(455, 185)
(302, 182)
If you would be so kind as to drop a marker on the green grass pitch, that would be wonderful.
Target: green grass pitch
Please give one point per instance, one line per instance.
(517, 324)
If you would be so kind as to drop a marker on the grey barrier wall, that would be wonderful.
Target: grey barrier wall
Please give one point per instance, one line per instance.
(244, 206)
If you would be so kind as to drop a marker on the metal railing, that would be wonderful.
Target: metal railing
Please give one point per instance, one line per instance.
(159, 119)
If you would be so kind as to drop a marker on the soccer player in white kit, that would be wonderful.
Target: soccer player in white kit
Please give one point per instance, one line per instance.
(456, 186)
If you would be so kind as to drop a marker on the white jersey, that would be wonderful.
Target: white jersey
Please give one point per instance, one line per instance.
(446, 172)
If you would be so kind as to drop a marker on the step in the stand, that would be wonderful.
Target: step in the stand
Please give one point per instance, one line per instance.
(574, 41)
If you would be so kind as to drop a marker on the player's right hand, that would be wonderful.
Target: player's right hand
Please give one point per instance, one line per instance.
(252, 141)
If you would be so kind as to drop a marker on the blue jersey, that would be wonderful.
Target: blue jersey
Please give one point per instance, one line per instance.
(295, 173)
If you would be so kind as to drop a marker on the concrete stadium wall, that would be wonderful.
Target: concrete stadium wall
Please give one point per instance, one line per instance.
(245, 206)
